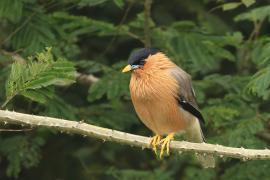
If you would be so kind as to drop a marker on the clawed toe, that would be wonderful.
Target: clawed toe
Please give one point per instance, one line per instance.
(155, 142)
(164, 143)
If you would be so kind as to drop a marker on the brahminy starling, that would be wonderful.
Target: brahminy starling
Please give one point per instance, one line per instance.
(164, 100)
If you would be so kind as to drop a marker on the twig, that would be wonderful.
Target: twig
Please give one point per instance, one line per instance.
(15, 130)
(147, 20)
(17, 29)
(13, 55)
(8, 117)
(123, 19)
(6, 102)
(86, 79)
(256, 30)
(135, 37)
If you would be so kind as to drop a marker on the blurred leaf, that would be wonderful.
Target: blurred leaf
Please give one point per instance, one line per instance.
(34, 31)
(129, 174)
(230, 6)
(92, 66)
(78, 25)
(257, 169)
(242, 134)
(14, 6)
(194, 49)
(114, 85)
(119, 3)
(197, 173)
(256, 14)
(115, 114)
(25, 153)
(220, 116)
(138, 22)
(260, 83)
(248, 3)
(261, 52)
(83, 3)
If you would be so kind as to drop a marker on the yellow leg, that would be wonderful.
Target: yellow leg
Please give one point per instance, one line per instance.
(165, 143)
(155, 142)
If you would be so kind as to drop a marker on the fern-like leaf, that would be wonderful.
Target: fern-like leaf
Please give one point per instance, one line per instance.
(41, 71)
(260, 83)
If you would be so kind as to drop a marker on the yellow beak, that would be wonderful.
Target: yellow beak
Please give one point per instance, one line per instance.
(127, 68)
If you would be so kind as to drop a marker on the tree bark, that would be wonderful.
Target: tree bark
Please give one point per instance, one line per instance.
(81, 128)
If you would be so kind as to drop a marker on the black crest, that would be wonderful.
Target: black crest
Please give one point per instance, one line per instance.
(141, 54)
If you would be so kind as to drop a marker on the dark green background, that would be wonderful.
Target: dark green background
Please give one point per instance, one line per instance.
(227, 52)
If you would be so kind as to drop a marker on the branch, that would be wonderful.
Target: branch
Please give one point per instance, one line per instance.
(81, 128)
(147, 21)
(87, 79)
(123, 19)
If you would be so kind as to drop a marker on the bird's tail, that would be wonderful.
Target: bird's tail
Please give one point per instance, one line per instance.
(195, 134)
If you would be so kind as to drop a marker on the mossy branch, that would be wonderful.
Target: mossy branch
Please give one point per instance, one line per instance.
(81, 128)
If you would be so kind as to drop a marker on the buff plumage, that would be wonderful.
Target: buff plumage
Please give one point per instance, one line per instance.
(164, 99)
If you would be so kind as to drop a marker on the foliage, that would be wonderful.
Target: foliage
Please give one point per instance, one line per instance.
(223, 45)
(21, 151)
(27, 78)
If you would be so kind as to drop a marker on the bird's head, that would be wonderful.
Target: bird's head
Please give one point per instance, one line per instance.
(139, 58)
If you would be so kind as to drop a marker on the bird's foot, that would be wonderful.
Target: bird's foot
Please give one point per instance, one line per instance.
(155, 140)
(165, 143)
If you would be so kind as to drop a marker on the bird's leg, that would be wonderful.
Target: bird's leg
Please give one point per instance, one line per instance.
(154, 142)
(166, 143)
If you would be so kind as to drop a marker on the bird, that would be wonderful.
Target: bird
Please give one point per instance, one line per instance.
(164, 100)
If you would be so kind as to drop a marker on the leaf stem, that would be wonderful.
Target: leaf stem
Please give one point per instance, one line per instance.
(6, 102)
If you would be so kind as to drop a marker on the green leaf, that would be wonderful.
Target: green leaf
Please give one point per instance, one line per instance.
(11, 9)
(20, 151)
(184, 25)
(260, 83)
(35, 31)
(83, 3)
(241, 133)
(258, 168)
(261, 52)
(114, 85)
(138, 22)
(119, 3)
(126, 174)
(35, 96)
(196, 173)
(220, 116)
(230, 6)
(193, 49)
(248, 3)
(79, 25)
(256, 14)
(57, 107)
(40, 72)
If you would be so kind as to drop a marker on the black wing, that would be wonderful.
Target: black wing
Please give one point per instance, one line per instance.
(186, 96)
(191, 109)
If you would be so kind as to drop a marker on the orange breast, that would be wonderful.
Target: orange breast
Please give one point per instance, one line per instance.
(154, 98)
